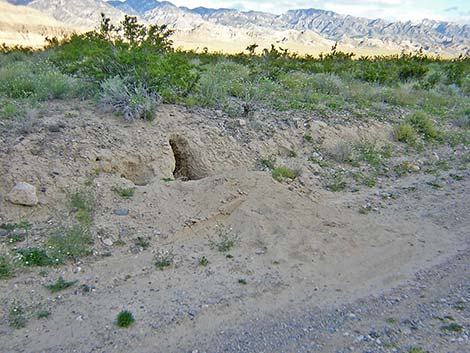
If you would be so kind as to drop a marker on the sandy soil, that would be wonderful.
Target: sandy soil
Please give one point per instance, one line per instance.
(299, 246)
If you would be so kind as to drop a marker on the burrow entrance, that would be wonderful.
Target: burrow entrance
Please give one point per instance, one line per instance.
(188, 165)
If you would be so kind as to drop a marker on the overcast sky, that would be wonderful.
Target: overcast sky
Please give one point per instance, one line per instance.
(457, 11)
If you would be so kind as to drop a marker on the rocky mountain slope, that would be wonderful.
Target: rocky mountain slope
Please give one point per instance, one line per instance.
(20, 25)
(304, 30)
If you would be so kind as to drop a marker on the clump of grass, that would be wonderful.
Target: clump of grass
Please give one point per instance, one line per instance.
(82, 204)
(416, 350)
(337, 183)
(124, 192)
(60, 285)
(453, 327)
(308, 138)
(405, 133)
(242, 281)
(34, 257)
(203, 261)
(167, 180)
(282, 173)
(17, 317)
(164, 259)
(125, 319)
(43, 314)
(6, 270)
(142, 243)
(225, 240)
(342, 152)
(424, 125)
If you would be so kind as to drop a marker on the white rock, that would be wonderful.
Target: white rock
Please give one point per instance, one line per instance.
(23, 194)
(242, 122)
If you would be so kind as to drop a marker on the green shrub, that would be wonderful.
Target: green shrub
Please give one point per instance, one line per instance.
(17, 317)
(83, 204)
(35, 257)
(423, 125)
(60, 285)
(282, 173)
(125, 319)
(405, 133)
(6, 270)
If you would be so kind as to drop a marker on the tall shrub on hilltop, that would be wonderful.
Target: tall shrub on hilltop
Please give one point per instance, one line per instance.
(140, 56)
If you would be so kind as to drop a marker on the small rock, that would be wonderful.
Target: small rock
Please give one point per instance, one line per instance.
(242, 122)
(121, 212)
(3, 233)
(107, 242)
(23, 194)
(260, 251)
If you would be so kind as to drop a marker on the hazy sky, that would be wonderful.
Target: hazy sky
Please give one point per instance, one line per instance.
(458, 10)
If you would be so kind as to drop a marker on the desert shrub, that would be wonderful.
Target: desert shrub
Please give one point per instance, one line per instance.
(405, 133)
(38, 81)
(224, 240)
(164, 259)
(125, 319)
(464, 120)
(131, 100)
(60, 285)
(34, 257)
(6, 270)
(341, 152)
(133, 52)
(423, 125)
(83, 206)
(282, 173)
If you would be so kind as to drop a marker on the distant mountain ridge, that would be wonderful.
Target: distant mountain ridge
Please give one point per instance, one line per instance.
(296, 29)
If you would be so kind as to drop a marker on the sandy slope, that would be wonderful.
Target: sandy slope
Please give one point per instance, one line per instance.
(299, 246)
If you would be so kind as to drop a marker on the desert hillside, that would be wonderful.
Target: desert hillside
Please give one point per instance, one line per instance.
(21, 25)
(156, 200)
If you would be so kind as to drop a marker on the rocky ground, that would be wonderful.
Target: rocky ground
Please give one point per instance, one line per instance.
(381, 267)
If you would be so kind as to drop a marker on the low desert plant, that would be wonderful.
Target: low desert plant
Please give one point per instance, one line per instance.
(282, 173)
(225, 240)
(60, 285)
(423, 125)
(133, 101)
(69, 243)
(34, 257)
(203, 261)
(405, 133)
(337, 182)
(83, 204)
(142, 243)
(125, 319)
(17, 317)
(43, 314)
(125, 192)
(164, 259)
(6, 270)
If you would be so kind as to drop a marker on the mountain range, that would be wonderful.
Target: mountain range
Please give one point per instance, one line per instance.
(303, 30)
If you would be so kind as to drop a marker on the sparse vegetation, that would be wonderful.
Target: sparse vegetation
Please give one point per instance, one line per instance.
(282, 173)
(125, 319)
(225, 239)
(17, 317)
(82, 204)
(142, 243)
(6, 270)
(203, 261)
(164, 259)
(43, 314)
(124, 192)
(69, 243)
(452, 327)
(60, 285)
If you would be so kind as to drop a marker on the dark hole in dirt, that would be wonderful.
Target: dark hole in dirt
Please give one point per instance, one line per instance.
(186, 164)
